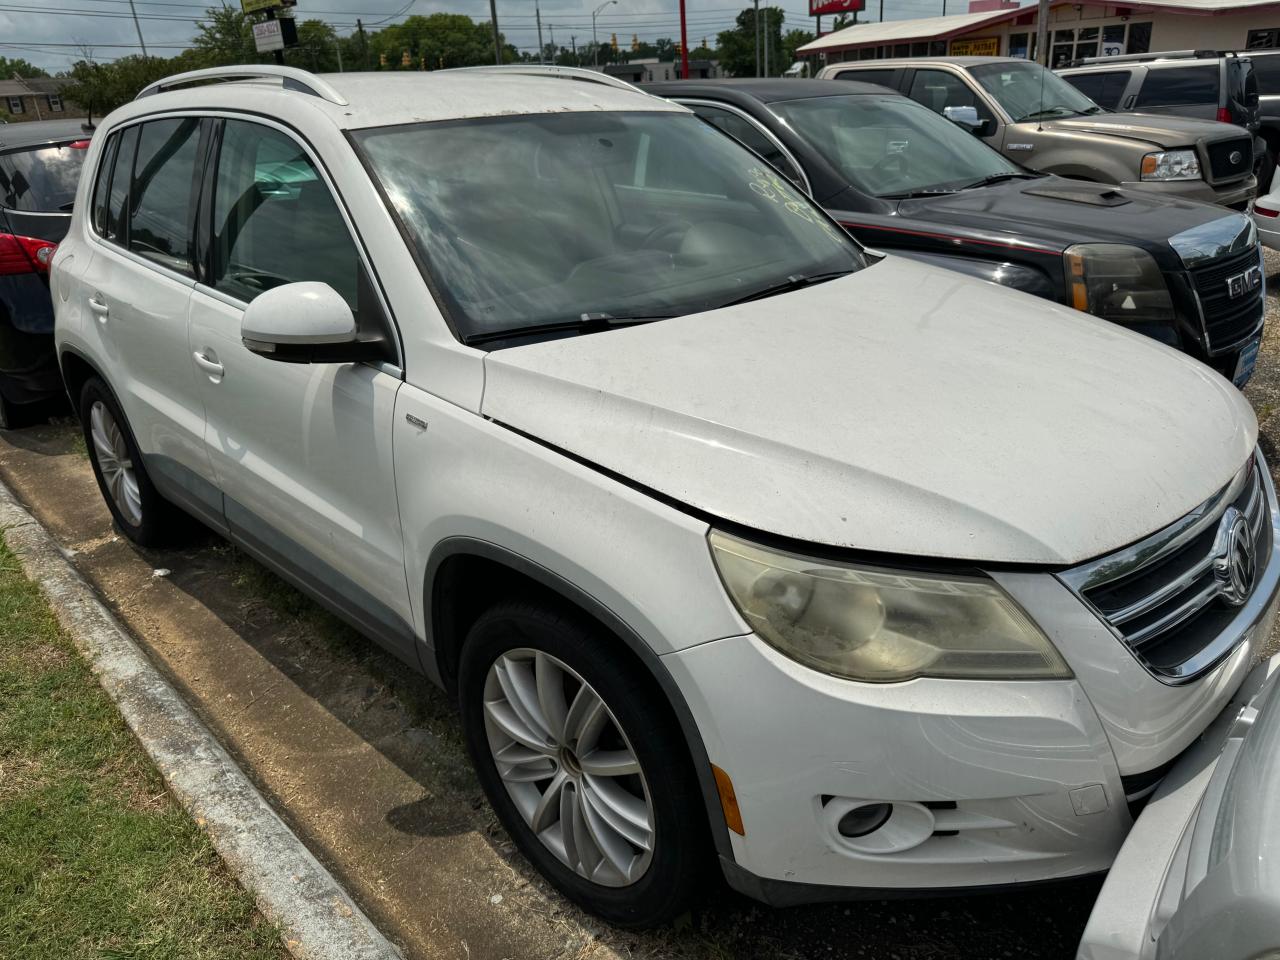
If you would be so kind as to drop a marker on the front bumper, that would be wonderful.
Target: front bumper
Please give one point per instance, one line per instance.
(1235, 195)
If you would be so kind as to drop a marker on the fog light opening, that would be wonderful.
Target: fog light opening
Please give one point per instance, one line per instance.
(865, 819)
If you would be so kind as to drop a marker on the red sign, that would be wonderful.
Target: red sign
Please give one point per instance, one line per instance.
(819, 8)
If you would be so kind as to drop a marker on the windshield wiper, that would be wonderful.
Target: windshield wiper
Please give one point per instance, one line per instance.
(916, 194)
(586, 323)
(1000, 178)
(1048, 114)
(794, 282)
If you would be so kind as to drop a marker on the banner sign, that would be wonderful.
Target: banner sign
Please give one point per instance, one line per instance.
(976, 47)
(267, 35)
(254, 6)
(820, 8)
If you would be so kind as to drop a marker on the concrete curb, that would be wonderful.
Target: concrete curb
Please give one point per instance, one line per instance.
(318, 919)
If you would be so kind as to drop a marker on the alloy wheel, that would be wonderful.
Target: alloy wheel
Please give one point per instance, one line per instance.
(568, 767)
(114, 460)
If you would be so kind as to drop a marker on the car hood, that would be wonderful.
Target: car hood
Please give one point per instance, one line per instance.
(1061, 212)
(904, 409)
(1160, 129)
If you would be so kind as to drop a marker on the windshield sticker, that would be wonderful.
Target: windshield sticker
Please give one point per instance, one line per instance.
(775, 188)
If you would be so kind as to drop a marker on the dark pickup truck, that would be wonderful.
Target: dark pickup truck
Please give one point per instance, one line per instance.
(902, 179)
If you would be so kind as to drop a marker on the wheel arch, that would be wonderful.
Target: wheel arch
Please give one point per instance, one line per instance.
(464, 576)
(76, 372)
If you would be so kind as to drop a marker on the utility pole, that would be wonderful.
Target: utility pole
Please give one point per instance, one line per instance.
(595, 42)
(364, 44)
(684, 45)
(573, 44)
(137, 26)
(497, 43)
(756, 21)
(537, 13)
(882, 11)
(555, 51)
(337, 46)
(1042, 34)
(768, 34)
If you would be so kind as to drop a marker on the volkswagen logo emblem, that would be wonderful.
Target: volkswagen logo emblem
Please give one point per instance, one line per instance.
(1235, 157)
(1233, 559)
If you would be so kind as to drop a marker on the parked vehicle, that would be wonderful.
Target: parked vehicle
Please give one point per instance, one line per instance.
(39, 168)
(1266, 73)
(1039, 120)
(1266, 214)
(1199, 875)
(902, 179)
(1184, 83)
(737, 544)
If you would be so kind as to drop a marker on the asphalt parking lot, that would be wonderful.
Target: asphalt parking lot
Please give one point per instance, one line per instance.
(365, 761)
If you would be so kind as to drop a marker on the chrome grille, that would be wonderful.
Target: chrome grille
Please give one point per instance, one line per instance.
(1163, 596)
(1228, 320)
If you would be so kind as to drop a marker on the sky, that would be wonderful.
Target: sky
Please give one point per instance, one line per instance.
(53, 34)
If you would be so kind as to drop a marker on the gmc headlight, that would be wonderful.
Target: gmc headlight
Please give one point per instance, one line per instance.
(1171, 165)
(882, 626)
(1117, 282)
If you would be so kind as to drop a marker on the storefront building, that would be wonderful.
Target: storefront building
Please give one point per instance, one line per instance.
(1075, 30)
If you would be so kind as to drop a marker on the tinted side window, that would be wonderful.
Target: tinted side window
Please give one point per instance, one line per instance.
(1267, 69)
(1180, 86)
(163, 200)
(882, 77)
(937, 89)
(274, 220)
(102, 185)
(121, 175)
(1104, 89)
(746, 132)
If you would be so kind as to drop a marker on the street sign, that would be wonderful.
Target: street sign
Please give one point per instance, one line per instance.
(268, 36)
(255, 6)
(820, 8)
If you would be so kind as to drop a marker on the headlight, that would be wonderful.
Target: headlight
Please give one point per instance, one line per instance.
(1171, 165)
(881, 626)
(1117, 282)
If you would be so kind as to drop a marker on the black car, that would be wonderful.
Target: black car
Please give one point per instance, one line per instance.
(39, 170)
(901, 178)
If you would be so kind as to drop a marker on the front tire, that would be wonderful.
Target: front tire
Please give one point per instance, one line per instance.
(139, 511)
(583, 763)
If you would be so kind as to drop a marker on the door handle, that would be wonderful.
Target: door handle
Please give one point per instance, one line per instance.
(210, 366)
(99, 309)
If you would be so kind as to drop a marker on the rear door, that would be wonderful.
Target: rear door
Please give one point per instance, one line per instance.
(1104, 87)
(1191, 90)
(301, 452)
(137, 287)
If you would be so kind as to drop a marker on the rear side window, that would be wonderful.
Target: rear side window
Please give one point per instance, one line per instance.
(42, 180)
(1266, 69)
(747, 133)
(102, 185)
(163, 197)
(1180, 86)
(274, 219)
(886, 78)
(118, 198)
(1104, 89)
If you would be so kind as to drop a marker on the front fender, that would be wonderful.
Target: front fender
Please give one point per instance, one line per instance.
(1017, 276)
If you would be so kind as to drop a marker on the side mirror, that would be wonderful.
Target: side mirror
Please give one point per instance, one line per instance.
(966, 117)
(303, 323)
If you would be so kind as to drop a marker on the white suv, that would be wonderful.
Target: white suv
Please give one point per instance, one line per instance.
(733, 540)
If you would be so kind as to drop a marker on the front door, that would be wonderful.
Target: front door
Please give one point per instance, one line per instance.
(301, 452)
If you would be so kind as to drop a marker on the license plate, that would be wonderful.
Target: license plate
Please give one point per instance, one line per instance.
(1248, 360)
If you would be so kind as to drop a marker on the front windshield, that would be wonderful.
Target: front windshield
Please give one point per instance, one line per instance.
(1028, 91)
(532, 220)
(892, 146)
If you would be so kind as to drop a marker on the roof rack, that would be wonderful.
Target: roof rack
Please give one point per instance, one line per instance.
(550, 70)
(291, 78)
(1148, 57)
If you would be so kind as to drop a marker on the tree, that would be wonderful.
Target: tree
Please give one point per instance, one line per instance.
(737, 47)
(101, 87)
(317, 48)
(223, 37)
(436, 41)
(790, 42)
(20, 67)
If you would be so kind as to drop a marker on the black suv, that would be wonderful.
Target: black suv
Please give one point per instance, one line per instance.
(901, 178)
